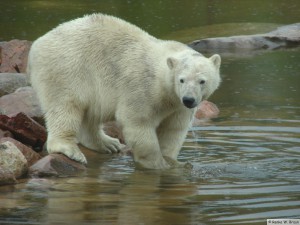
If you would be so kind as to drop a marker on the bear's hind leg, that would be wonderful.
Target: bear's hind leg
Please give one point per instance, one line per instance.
(63, 123)
(109, 144)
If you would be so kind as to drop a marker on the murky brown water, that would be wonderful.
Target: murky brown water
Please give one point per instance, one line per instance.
(246, 162)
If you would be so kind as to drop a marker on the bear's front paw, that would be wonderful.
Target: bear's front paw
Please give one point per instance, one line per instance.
(68, 149)
(176, 164)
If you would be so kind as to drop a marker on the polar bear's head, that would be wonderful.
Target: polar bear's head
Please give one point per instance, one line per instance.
(196, 77)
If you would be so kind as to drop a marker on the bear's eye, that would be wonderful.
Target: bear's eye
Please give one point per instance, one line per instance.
(181, 81)
(202, 82)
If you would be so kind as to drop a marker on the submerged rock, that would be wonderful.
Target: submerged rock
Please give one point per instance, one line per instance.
(13, 56)
(57, 165)
(286, 36)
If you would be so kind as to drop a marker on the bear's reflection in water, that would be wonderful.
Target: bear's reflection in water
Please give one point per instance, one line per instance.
(120, 194)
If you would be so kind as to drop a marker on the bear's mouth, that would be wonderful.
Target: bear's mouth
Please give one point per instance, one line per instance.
(190, 106)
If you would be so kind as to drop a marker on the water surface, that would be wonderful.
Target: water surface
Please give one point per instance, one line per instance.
(29, 19)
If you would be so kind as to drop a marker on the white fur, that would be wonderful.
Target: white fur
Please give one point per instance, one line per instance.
(100, 68)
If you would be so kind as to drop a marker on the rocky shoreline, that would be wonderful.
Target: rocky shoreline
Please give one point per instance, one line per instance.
(22, 131)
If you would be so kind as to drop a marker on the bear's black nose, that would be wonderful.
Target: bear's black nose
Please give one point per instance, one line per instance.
(189, 102)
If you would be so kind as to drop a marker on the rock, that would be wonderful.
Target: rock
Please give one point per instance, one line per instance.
(57, 165)
(5, 133)
(30, 155)
(24, 129)
(286, 36)
(207, 110)
(11, 159)
(290, 33)
(13, 56)
(22, 100)
(9, 82)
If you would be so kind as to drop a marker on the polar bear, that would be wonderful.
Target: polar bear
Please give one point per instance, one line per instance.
(100, 68)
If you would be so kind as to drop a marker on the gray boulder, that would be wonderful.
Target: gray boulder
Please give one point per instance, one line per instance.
(283, 37)
(24, 100)
(9, 82)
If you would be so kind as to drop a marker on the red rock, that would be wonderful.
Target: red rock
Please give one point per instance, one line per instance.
(13, 56)
(22, 100)
(30, 155)
(24, 129)
(11, 159)
(57, 165)
(5, 133)
(207, 110)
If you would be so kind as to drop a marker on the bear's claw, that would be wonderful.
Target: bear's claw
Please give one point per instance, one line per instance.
(78, 156)
(68, 149)
(110, 145)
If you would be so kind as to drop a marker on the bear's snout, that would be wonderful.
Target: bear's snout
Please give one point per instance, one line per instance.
(189, 102)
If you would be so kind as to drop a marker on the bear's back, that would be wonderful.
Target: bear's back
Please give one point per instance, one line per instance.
(95, 34)
(104, 48)
(95, 27)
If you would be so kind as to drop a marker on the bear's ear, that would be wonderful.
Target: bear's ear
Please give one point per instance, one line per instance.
(216, 60)
(172, 62)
